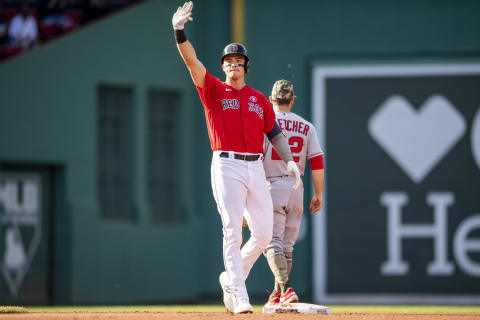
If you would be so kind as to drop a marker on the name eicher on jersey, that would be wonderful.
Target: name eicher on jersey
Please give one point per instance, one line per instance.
(292, 125)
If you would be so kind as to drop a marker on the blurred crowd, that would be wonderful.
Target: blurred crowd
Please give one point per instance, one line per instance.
(24, 25)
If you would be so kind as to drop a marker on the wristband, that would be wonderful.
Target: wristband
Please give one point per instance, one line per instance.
(180, 36)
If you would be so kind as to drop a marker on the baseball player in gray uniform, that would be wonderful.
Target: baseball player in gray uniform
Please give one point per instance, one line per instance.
(287, 201)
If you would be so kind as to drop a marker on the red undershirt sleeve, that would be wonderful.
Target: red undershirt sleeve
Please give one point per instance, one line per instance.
(316, 163)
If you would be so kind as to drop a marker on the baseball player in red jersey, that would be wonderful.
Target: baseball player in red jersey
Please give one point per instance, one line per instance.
(288, 202)
(237, 118)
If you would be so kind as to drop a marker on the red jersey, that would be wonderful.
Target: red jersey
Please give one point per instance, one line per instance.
(236, 119)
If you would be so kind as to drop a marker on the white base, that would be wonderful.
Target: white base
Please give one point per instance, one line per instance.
(297, 308)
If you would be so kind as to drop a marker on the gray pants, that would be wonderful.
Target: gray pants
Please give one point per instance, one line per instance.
(288, 209)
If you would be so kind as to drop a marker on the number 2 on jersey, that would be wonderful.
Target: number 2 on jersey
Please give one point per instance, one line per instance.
(296, 145)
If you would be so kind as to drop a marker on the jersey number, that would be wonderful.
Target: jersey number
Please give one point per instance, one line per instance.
(296, 145)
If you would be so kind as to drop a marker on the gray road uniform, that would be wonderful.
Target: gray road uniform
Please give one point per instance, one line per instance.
(288, 202)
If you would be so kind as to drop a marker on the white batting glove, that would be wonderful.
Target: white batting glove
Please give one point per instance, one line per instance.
(293, 169)
(182, 16)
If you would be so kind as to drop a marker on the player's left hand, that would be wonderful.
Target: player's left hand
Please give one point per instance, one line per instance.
(316, 203)
(182, 16)
(293, 169)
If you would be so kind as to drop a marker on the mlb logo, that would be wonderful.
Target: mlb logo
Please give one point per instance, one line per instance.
(402, 192)
(20, 227)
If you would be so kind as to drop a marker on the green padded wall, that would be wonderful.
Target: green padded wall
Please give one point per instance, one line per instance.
(48, 108)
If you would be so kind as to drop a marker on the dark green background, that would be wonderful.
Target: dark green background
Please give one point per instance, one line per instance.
(359, 171)
(48, 103)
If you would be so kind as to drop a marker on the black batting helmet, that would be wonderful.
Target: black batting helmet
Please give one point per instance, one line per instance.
(237, 48)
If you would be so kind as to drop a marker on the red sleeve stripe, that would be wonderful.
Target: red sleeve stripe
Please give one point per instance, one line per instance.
(316, 163)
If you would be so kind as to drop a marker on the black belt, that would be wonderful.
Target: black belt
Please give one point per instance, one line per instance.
(238, 156)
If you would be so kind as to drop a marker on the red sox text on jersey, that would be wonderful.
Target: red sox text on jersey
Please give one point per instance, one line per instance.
(230, 112)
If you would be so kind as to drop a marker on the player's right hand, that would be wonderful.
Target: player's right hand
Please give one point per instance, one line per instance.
(182, 16)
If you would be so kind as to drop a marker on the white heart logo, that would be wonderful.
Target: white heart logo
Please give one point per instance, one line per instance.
(417, 140)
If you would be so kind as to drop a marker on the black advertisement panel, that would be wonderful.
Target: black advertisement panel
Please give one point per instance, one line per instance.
(402, 209)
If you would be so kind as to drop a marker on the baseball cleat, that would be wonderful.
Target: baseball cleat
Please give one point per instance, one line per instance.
(227, 296)
(273, 299)
(289, 296)
(242, 306)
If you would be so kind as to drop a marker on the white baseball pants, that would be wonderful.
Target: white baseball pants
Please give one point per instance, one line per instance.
(240, 189)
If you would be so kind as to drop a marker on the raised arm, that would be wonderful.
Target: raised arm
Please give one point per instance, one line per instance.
(185, 48)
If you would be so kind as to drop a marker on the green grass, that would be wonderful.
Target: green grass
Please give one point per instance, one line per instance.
(12, 309)
(258, 308)
(142, 308)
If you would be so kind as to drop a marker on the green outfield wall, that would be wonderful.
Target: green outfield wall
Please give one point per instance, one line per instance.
(105, 193)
